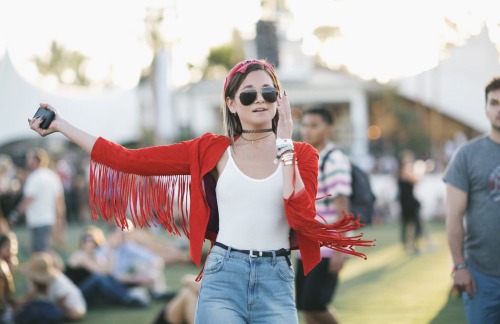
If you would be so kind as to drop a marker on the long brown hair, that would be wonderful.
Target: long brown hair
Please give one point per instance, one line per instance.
(232, 124)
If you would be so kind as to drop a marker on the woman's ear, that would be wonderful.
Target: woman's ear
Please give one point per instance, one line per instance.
(230, 105)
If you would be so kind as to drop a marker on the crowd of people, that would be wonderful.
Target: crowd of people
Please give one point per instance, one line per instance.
(109, 266)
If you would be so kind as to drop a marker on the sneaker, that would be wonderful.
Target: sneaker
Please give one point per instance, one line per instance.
(136, 303)
(165, 296)
(140, 293)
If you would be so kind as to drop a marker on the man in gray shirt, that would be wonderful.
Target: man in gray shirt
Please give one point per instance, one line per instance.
(473, 190)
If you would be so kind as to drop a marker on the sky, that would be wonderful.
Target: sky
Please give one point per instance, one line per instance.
(379, 39)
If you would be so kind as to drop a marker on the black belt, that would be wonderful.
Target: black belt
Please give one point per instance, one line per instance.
(257, 254)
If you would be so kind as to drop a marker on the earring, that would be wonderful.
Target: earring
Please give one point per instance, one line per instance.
(235, 114)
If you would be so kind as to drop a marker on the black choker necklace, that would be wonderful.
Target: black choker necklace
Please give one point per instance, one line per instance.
(256, 131)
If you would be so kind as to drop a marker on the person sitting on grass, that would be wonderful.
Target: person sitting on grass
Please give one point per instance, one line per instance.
(182, 307)
(171, 253)
(52, 297)
(91, 273)
(135, 265)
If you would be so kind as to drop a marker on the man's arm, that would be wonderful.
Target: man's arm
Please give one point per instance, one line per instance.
(19, 210)
(24, 204)
(456, 204)
(61, 207)
(58, 235)
(341, 203)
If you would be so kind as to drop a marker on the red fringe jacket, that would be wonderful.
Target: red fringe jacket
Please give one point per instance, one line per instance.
(171, 185)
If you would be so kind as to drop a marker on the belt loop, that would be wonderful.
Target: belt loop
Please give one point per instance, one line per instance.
(228, 251)
(274, 261)
(251, 257)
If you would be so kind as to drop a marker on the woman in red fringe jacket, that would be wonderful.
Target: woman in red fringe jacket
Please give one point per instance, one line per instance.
(250, 192)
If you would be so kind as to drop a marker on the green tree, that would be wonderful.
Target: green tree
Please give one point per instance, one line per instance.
(222, 58)
(66, 65)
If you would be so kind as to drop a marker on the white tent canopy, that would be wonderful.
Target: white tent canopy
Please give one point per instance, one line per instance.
(111, 114)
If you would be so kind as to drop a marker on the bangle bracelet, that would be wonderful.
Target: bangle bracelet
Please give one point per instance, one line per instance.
(288, 156)
(283, 152)
(281, 155)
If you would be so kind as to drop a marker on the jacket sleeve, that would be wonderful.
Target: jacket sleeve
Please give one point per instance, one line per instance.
(151, 161)
(149, 186)
(311, 229)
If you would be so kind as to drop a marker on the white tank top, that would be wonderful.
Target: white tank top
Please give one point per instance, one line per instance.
(251, 211)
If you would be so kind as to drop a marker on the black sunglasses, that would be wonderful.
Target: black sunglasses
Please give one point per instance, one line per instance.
(247, 97)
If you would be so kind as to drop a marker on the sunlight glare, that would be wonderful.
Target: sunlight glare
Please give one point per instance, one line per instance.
(98, 30)
(384, 44)
(311, 45)
(380, 40)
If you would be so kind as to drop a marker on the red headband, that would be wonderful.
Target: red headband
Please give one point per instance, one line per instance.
(242, 68)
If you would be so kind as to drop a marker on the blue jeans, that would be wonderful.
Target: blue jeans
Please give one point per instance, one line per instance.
(100, 286)
(485, 307)
(40, 238)
(237, 288)
(40, 312)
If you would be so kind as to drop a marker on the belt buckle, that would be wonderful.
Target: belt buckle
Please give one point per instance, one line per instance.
(258, 254)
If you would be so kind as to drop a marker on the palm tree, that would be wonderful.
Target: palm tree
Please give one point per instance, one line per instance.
(65, 65)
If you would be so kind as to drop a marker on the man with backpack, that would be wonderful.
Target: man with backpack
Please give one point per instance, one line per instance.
(315, 291)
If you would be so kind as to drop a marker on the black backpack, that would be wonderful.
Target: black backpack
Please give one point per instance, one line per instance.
(362, 199)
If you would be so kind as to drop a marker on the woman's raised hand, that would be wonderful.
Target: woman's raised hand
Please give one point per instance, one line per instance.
(285, 123)
(34, 123)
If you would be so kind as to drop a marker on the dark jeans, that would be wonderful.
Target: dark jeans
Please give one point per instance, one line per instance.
(40, 312)
(98, 286)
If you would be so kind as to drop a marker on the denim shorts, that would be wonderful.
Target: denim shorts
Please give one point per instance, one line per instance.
(238, 288)
(485, 307)
(314, 292)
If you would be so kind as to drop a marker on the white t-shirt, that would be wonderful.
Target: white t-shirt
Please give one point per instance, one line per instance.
(43, 186)
(63, 287)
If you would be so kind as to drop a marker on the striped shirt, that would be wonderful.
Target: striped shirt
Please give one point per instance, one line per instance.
(335, 180)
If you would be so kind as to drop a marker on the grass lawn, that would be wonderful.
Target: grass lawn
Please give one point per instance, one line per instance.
(389, 287)
(393, 287)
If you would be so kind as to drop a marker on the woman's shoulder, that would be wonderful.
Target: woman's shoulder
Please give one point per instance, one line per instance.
(210, 141)
(214, 137)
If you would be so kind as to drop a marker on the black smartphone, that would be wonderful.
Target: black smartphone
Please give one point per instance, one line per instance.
(47, 116)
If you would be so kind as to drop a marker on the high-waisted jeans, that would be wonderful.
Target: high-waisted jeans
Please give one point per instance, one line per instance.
(238, 288)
